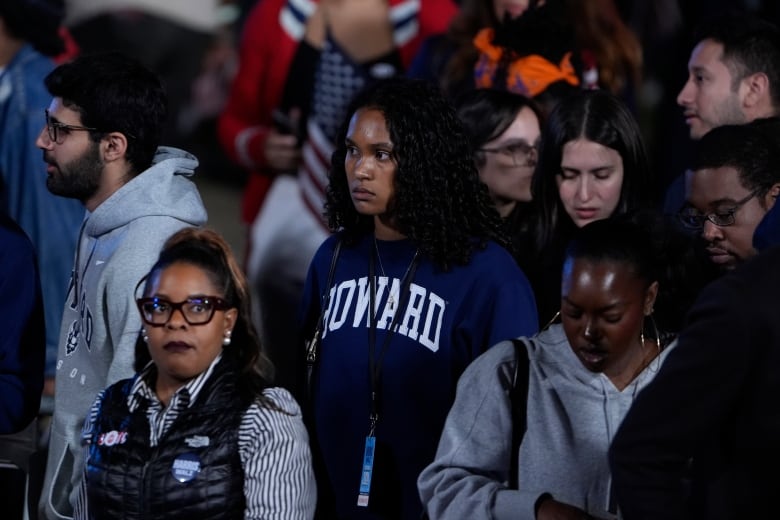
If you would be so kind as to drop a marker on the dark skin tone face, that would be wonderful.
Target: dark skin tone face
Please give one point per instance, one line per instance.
(603, 307)
(371, 169)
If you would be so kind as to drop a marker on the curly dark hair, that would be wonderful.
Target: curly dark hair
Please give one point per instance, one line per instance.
(438, 201)
(207, 250)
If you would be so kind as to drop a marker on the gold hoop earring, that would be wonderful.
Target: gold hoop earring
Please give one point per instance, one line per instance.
(656, 331)
(657, 339)
(656, 334)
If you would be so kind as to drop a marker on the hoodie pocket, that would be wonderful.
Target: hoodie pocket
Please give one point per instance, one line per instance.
(58, 495)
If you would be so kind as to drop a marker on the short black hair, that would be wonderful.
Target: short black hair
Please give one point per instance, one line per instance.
(747, 148)
(115, 93)
(750, 45)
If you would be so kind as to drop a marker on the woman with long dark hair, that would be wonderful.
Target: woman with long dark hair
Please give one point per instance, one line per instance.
(504, 130)
(592, 165)
(414, 285)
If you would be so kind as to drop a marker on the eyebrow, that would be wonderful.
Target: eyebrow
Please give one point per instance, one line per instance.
(57, 121)
(518, 140)
(606, 167)
(375, 146)
(606, 308)
(721, 202)
(714, 203)
(166, 295)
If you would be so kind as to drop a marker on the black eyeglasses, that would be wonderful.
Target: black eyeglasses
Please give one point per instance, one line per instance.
(522, 154)
(196, 311)
(692, 219)
(53, 128)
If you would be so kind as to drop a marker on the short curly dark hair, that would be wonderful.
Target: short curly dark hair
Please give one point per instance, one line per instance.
(438, 201)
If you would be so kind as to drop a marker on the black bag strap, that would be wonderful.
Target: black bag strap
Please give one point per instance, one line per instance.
(518, 398)
(326, 506)
(312, 347)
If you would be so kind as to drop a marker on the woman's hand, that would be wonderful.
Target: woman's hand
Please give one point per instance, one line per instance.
(282, 152)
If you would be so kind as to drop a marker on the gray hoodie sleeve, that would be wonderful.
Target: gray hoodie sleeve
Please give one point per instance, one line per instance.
(469, 476)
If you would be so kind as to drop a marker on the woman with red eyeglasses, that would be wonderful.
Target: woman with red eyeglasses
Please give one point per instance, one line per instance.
(198, 432)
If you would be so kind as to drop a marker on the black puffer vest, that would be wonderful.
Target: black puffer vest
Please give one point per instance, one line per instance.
(194, 472)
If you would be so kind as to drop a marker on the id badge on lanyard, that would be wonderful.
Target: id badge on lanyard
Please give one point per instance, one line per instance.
(368, 470)
(369, 450)
(368, 464)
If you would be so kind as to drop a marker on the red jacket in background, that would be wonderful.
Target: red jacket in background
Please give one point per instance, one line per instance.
(271, 35)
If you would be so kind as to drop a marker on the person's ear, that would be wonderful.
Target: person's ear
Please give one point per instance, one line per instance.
(231, 316)
(770, 198)
(114, 146)
(650, 295)
(757, 89)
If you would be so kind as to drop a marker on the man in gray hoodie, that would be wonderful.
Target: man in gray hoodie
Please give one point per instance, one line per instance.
(100, 144)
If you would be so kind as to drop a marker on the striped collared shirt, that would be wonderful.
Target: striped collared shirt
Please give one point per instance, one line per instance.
(273, 446)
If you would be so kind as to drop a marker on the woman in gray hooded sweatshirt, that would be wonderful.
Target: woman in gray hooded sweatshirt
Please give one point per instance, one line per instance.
(582, 376)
